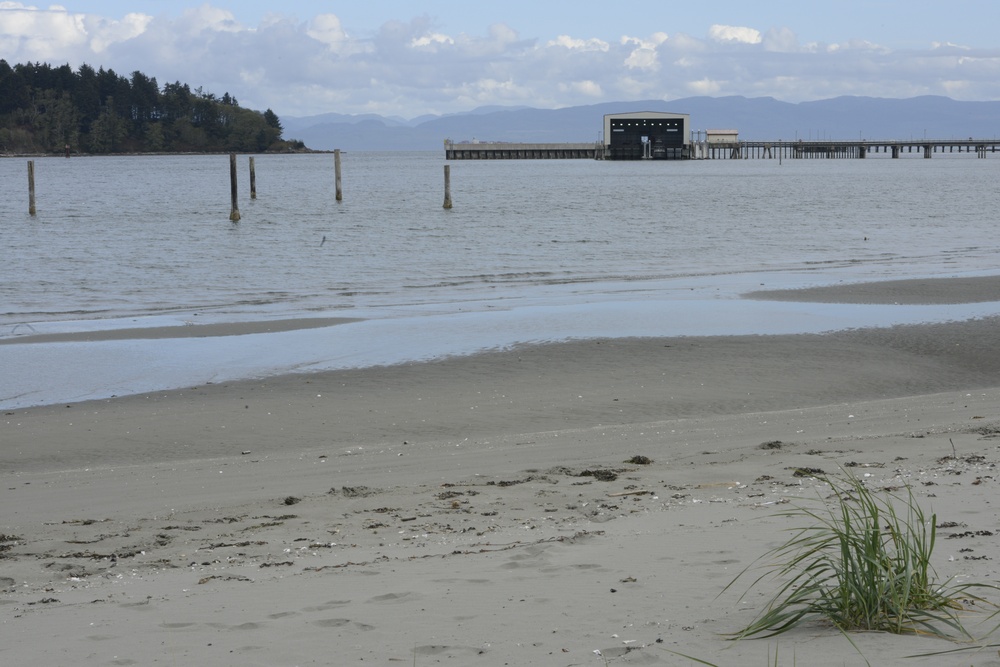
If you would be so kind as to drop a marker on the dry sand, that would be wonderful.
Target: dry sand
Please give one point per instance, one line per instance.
(482, 510)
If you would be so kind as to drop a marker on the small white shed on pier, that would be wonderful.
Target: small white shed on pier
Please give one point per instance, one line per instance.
(722, 136)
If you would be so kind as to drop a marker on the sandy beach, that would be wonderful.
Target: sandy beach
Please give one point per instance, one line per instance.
(490, 509)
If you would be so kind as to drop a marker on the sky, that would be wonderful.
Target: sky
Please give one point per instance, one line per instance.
(408, 58)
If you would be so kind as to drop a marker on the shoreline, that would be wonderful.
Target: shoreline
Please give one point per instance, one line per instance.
(939, 291)
(69, 362)
(541, 387)
(174, 154)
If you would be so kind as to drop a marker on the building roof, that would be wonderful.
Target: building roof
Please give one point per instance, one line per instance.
(646, 114)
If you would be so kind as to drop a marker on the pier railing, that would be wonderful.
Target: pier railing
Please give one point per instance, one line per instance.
(738, 150)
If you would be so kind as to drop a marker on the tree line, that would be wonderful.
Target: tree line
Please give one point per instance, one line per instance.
(45, 109)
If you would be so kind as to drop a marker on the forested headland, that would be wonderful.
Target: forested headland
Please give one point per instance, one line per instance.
(45, 109)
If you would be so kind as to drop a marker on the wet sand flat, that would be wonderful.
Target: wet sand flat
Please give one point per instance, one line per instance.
(190, 330)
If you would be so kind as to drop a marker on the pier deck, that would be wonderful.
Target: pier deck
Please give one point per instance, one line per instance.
(803, 149)
(512, 151)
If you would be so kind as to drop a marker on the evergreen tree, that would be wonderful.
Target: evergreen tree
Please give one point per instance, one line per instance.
(271, 119)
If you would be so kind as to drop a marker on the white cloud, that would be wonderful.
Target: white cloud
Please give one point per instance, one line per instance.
(985, 65)
(112, 32)
(704, 87)
(208, 18)
(40, 34)
(729, 33)
(433, 39)
(863, 45)
(56, 34)
(326, 28)
(568, 42)
(644, 55)
(584, 88)
(949, 45)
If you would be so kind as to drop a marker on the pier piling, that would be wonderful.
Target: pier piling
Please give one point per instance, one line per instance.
(447, 186)
(253, 179)
(234, 214)
(336, 170)
(31, 187)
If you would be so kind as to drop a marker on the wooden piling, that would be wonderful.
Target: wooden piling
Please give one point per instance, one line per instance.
(336, 170)
(31, 187)
(253, 179)
(234, 215)
(447, 186)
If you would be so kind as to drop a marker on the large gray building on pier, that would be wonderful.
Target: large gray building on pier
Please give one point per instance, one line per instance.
(647, 135)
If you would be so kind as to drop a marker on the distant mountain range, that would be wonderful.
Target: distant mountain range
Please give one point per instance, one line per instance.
(758, 118)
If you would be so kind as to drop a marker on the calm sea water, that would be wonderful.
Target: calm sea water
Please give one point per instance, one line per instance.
(563, 247)
(130, 236)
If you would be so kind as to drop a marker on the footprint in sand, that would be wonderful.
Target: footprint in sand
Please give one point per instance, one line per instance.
(137, 606)
(393, 597)
(339, 622)
(451, 651)
(246, 626)
(578, 566)
(327, 605)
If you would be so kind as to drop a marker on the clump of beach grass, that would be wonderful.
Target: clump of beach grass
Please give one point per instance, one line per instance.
(862, 563)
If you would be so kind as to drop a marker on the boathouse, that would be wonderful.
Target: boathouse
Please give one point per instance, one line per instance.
(647, 135)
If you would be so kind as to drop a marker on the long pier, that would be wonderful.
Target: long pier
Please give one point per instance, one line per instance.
(512, 151)
(739, 150)
(802, 149)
